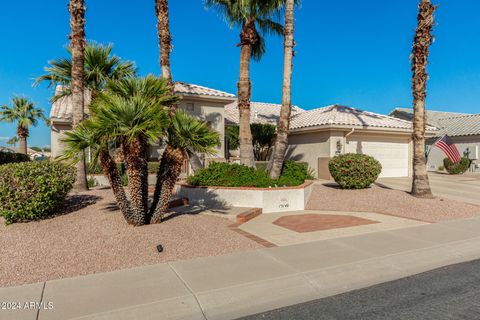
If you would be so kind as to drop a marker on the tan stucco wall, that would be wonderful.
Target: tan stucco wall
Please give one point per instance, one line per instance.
(308, 147)
(213, 112)
(436, 156)
(57, 132)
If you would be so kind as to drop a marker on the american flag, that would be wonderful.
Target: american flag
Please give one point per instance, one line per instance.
(449, 148)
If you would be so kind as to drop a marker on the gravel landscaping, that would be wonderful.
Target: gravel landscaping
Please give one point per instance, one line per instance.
(91, 236)
(388, 201)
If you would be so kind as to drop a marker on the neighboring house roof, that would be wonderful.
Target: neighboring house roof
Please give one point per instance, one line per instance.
(62, 108)
(347, 116)
(259, 112)
(466, 125)
(433, 117)
(450, 123)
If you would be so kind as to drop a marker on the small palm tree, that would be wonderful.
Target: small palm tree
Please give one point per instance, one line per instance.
(25, 114)
(131, 114)
(255, 18)
(185, 134)
(100, 67)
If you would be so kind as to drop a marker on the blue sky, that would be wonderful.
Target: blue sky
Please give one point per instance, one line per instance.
(348, 52)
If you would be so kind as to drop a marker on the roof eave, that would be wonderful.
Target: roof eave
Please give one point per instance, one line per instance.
(225, 100)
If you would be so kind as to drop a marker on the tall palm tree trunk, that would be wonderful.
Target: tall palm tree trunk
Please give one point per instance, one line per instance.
(110, 170)
(164, 42)
(172, 161)
(248, 37)
(22, 134)
(77, 43)
(135, 154)
(422, 41)
(281, 141)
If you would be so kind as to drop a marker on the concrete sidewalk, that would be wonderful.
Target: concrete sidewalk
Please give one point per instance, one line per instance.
(235, 285)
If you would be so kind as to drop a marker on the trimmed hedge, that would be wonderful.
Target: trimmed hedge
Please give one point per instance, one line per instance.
(354, 171)
(32, 190)
(11, 157)
(457, 168)
(237, 175)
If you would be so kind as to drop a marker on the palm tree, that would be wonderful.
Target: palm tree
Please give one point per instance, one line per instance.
(24, 113)
(421, 44)
(12, 141)
(87, 135)
(164, 40)
(254, 17)
(185, 134)
(101, 66)
(281, 141)
(77, 43)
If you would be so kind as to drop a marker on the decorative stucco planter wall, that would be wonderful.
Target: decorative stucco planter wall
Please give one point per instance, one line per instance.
(269, 199)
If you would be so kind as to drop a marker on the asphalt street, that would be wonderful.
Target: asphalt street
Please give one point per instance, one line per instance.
(451, 292)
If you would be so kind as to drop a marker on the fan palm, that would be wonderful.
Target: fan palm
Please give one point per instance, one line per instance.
(100, 67)
(256, 18)
(185, 134)
(25, 114)
(422, 41)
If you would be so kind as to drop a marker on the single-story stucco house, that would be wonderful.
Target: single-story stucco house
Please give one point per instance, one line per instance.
(462, 128)
(202, 102)
(317, 135)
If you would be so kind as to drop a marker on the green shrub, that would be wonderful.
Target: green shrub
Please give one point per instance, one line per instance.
(91, 182)
(457, 168)
(11, 157)
(32, 190)
(354, 171)
(153, 167)
(236, 175)
(294, 173)
(441, 168)
(96, 168)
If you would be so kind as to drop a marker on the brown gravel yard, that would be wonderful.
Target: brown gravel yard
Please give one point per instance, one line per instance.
(388, 201)
(95, 238)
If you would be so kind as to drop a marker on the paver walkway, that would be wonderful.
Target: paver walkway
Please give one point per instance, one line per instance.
(294, 227)
(235, 285)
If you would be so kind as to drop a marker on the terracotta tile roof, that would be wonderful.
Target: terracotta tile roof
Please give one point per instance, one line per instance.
(62, 108)
(342, 115)
(259, 112)
(193, 89)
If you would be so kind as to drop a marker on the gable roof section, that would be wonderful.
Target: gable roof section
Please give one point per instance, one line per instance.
(260, 112)
(196, 90)
(62, 108)
(346, 116)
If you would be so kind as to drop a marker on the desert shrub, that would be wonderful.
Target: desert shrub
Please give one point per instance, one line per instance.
(294, 173)
(12, 157)
(441, 168)
(354, 171)
(96, 168)
(236, 175)
(456, 168)
(32, 190)
(91, 182)
(153, 167)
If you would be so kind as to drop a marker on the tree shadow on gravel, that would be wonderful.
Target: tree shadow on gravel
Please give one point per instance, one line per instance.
(76, 202)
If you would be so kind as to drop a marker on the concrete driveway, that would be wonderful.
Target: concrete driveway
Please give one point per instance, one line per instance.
(465, 188)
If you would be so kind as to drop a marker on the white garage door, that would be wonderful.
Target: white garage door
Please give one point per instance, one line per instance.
(393, 156)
